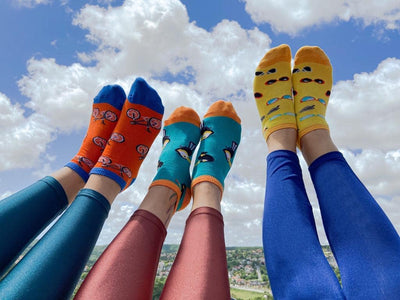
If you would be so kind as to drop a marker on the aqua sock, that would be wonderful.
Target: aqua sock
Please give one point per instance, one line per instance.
(181, 136)
(107, 107)
(220, 138)
(138, 126)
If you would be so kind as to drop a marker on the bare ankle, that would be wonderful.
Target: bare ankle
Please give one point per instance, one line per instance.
(315, 144)
(206, 194)
(283, 139)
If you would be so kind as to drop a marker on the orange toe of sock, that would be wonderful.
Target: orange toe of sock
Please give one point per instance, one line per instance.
(222, 108)
(277, 54)
(183, 114)
(312, 54)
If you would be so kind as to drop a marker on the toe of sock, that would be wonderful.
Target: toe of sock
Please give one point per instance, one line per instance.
(222, 108)
(142, 93)
(311, 54)
(184, 114)
(111, 94)
(274, 55)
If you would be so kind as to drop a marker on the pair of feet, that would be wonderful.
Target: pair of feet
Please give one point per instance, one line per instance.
(122, 130)
(218, 137)
(294, 100)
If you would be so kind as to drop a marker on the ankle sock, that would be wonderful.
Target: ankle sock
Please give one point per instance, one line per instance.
(107, 107)
(181, 136)
(133, 136)
(220, 138)
(312, 83)
(273, 91)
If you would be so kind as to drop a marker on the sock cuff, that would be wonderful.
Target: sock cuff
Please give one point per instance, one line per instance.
(111, 175)
(183, 114)
(311, 128)
(208, 178)
(222, 108)
(271, 130)
(81, 172)
(169, 184)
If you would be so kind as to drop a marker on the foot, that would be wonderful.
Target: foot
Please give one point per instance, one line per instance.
(107, 107)
(312, 84)
(220, 138)
(181, 136)
(273, 91)
(138, 126)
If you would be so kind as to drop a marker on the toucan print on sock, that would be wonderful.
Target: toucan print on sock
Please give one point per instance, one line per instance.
(312, 84)
(220, 138)
(138, 126)
(107, 107)
(181, 136)
(273, 91)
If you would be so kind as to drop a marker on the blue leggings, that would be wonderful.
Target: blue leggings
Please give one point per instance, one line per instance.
(364, 242)
(51, 269)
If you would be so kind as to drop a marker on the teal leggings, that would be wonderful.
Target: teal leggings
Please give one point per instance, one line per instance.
(51, 269)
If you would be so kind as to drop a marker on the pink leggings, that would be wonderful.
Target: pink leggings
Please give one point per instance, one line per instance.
(127, 268)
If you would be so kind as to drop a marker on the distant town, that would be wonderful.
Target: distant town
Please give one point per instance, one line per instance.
(246, 268)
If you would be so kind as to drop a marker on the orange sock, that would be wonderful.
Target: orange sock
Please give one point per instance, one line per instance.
(107, 107)
(133, 136)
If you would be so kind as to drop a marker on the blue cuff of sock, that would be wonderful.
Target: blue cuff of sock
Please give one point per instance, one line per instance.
(78, 170)
(109, 174)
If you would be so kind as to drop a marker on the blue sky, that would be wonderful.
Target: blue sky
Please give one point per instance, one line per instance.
(56, 55)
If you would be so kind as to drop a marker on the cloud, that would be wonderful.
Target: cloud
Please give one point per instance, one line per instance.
(23, 139)
(363, 112)
(30, 3)
(293, 16)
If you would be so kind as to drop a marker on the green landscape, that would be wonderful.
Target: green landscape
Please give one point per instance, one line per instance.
(246, 266)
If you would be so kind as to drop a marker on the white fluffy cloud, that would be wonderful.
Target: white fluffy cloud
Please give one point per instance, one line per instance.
(292, 16)
(23, 139)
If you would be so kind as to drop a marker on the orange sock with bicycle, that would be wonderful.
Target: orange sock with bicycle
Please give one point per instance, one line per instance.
(107, 107)
(138, 126)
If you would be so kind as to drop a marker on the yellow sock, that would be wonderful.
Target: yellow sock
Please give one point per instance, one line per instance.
(273, 91)
(312, 83)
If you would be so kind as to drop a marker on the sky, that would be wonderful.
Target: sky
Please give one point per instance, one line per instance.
(55, 56)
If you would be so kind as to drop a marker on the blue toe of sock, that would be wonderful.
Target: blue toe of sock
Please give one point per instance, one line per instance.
(111, 94)
(144, 94)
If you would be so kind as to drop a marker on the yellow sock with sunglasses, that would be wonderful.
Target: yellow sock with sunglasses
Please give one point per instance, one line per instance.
(273, 91)
(312, 83)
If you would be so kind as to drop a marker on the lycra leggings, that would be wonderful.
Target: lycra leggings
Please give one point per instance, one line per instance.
(127, 268)
(364, 242)
(51, 269)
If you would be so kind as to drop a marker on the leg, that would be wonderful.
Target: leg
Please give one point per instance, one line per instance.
(127, 268)
(295, 262)
(365, 244)
(70, 241)
(29, 211)
(200, 268)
